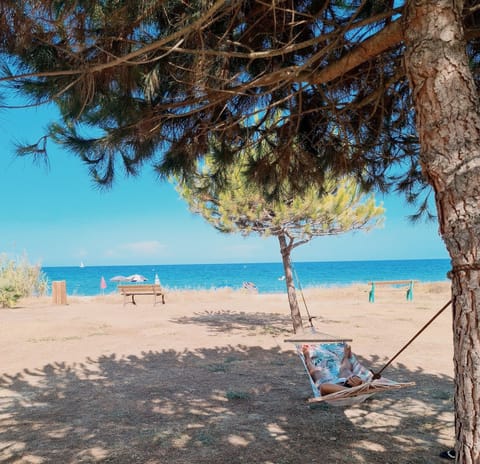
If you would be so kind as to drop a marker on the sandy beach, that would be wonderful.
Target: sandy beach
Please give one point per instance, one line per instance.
(208, 378)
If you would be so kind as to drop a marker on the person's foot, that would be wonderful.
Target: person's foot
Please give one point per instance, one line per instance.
(347, 352)
(305, 351)
(448, 454)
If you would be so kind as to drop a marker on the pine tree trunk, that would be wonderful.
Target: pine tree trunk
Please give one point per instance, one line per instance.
(291, 292)
(448, 124)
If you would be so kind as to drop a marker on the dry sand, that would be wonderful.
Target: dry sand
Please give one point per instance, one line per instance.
(208, 378)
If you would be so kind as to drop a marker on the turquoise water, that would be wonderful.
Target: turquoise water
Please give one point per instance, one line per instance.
(266, 276)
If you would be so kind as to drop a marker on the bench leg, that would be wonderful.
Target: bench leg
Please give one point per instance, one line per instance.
(125, 299)
(155, 299)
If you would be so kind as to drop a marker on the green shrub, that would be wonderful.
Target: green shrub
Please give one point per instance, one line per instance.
(19, 278)
(237, 395)
(8, 295)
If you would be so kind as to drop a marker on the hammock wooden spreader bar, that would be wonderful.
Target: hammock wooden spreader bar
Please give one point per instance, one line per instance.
(316, 337)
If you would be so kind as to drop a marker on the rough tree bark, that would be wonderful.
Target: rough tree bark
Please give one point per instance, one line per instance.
(285, 250)
(448, 124)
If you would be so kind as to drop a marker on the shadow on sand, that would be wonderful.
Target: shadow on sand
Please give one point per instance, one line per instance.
(232, 404)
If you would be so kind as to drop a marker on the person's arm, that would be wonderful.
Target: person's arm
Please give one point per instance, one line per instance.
(327, 388)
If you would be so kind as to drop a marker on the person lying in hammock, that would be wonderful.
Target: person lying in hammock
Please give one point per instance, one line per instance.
(334, 367)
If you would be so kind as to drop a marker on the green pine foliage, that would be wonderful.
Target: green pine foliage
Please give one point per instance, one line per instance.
(241, 206)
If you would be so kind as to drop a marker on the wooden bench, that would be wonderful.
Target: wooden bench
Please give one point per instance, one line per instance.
(408, 283)
(141, 289)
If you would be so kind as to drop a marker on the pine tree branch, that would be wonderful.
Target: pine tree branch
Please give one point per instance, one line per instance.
(388, 37)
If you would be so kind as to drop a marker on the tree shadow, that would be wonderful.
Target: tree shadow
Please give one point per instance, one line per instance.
(234, 404)
(227, 321)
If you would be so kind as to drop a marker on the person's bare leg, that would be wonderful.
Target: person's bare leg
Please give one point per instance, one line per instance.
(312, 370)
(346, 368)
(325, 388)
(346, 364)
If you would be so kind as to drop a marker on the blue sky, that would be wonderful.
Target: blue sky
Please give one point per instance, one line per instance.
(59, 218)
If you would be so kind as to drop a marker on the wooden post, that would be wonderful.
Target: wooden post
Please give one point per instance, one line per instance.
(410, 291)
(371, 295)
(59, 292)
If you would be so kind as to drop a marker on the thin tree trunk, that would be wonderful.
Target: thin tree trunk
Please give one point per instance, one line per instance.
(291, 292)
(448, 124)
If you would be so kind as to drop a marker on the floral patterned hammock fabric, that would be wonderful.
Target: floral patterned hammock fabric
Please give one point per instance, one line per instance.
(327, 358)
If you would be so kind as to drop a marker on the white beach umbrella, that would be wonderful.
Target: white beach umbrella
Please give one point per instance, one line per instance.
(136, 278)
(119, 278)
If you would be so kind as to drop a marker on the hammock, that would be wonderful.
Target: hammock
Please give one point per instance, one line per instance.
(327, 352)
(327, 357)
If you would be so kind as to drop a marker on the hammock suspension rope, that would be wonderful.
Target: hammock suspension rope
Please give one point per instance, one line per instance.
(378, 374)
(299, 285)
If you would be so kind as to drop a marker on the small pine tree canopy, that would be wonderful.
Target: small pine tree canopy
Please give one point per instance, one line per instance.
(241, 206)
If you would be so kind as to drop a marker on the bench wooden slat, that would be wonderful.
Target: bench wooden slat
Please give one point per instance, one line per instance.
(141, 289)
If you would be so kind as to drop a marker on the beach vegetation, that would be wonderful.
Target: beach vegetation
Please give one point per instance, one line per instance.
(156, 81)
(8, 294)
(19, 278)
(233, 395)
(237, 205)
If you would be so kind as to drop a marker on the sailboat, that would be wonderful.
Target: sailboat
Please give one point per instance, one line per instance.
(81, 264)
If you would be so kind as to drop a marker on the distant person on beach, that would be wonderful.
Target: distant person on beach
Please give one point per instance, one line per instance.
(250, 286)
(346, 378)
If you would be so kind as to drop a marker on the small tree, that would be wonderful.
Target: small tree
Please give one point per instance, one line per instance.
(237, 205)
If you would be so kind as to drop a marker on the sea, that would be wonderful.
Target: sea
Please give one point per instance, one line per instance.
(267, 277)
